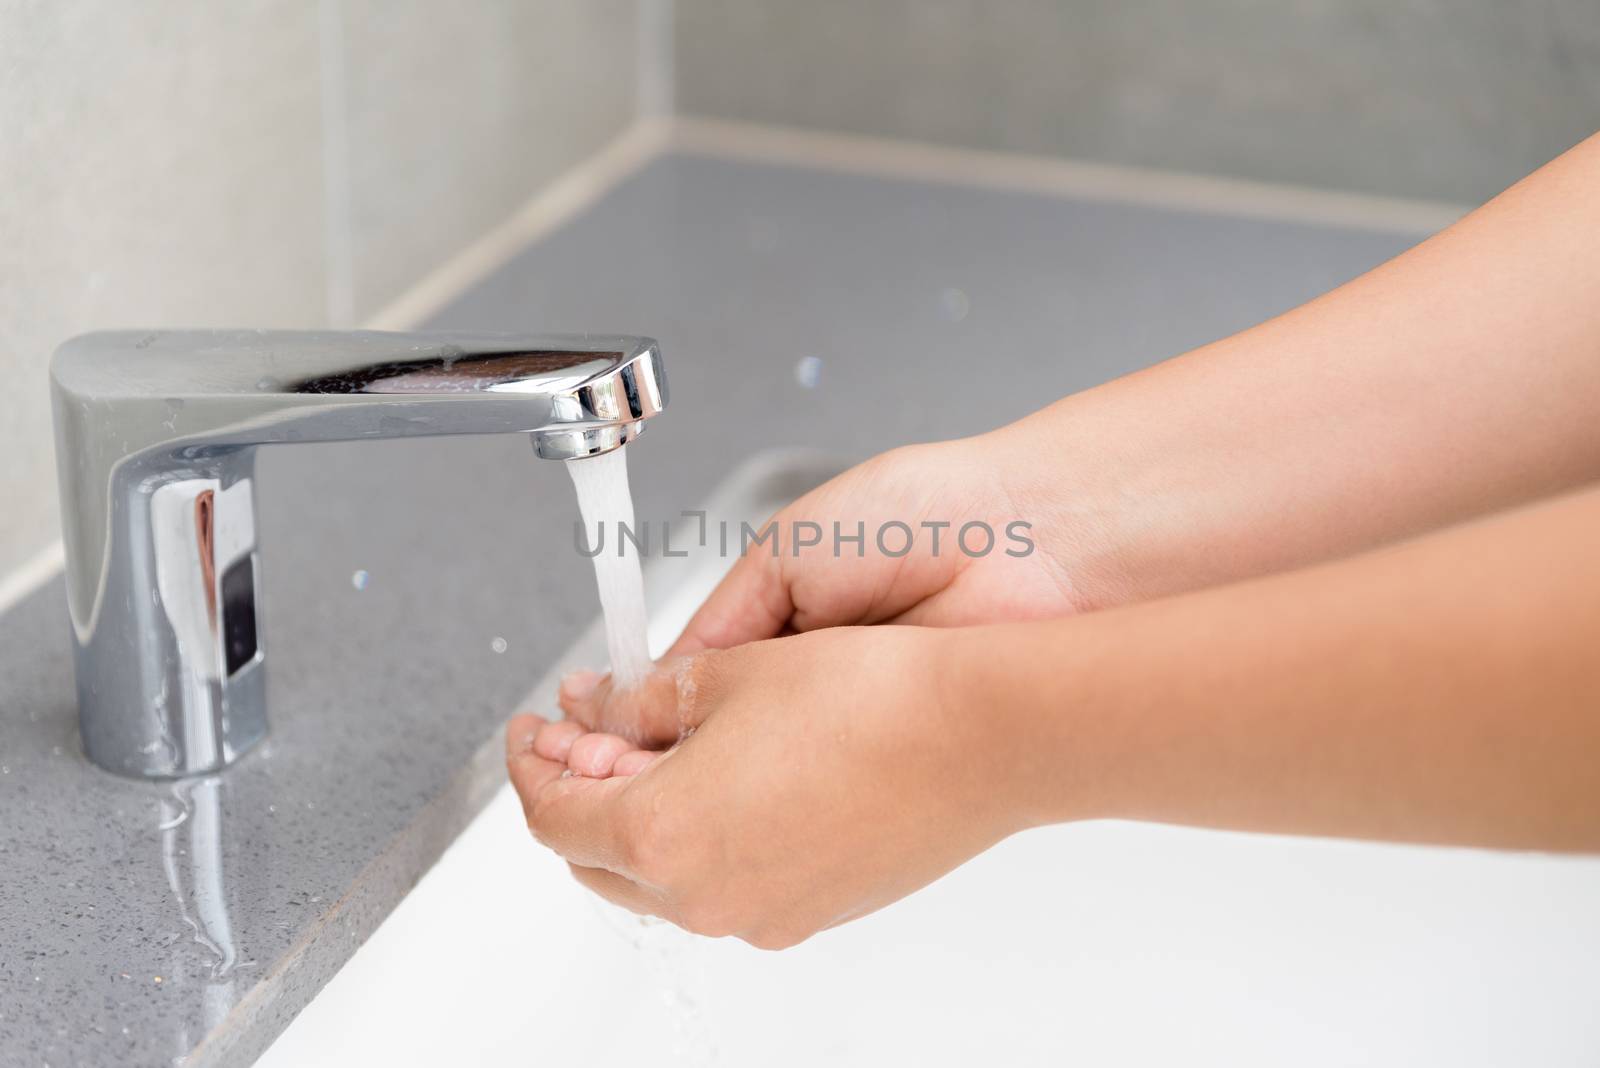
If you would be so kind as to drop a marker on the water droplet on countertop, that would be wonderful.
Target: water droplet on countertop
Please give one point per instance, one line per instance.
(359, 579)
(498, 644)
(808, 371)
(954, 304)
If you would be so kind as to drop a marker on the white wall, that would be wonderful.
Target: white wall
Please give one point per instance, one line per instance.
(264, 163)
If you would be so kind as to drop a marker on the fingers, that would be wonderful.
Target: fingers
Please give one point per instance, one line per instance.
(595, 754)
(578, 688)
(583, 819)
(530, 772)
(751, 602)
(634, 761)
(582, 696)
(622, 891)
(521, 732)
(554, 740)
(580, 818)
(649, 714)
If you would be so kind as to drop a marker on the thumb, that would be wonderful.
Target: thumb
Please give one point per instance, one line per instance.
(654, 713)
(752, 602)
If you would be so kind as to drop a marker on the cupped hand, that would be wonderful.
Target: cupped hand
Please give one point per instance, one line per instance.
(1027, 571)
(821, 777)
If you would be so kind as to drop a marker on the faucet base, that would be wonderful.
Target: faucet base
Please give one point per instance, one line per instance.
(179, 687)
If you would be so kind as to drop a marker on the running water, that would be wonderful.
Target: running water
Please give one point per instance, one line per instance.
(607, 507)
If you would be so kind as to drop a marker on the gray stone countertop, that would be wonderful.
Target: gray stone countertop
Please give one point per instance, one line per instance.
(145, 923)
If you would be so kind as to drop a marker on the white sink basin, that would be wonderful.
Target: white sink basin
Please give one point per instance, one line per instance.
(1102, 943)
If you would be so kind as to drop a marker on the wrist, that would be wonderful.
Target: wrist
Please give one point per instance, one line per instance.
(1005, 691)
(1078, 506)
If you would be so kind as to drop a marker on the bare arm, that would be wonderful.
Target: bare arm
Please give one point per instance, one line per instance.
(1459, 378)
(1444, 690)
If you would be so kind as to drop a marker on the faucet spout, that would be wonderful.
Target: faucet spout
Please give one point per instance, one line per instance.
(156, 433)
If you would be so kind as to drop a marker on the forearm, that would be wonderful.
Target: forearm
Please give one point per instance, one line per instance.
(1461, 377)
(1446, 690)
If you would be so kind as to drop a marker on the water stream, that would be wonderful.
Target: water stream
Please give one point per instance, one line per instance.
(607, 507)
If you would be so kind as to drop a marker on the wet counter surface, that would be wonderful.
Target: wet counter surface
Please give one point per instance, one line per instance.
(414, 590)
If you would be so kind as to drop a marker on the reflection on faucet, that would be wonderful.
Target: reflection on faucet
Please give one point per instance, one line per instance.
(191, 853)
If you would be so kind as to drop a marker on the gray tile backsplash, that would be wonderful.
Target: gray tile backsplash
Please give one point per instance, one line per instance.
(457, 113)
(160, 167)
(1444, 99)
(264, 162)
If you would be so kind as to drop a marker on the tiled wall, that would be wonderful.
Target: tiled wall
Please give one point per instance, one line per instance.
(1444, 99)
(458, 112)
(264, 162)
(301, 162)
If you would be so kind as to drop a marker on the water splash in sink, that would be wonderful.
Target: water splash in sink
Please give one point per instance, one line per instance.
(673, 955)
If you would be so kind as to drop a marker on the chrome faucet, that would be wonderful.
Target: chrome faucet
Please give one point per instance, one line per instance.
(156, 434)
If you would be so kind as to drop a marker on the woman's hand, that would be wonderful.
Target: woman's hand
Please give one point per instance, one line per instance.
(933, 490)
(1040, 569)
(824, 776)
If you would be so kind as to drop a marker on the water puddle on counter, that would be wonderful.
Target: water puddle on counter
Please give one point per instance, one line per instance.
(607, 507)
